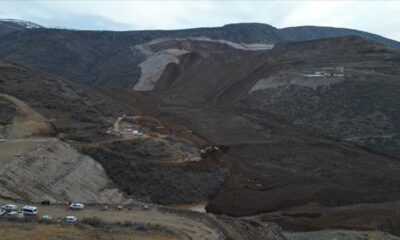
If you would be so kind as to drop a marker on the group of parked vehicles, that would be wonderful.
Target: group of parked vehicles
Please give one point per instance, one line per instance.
(11, 211)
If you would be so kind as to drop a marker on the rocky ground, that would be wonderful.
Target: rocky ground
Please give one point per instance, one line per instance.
(361, 106)
(222, 98)
(340, 234)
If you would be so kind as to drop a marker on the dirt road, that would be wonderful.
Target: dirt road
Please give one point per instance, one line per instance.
(32, 123)
(191, 226)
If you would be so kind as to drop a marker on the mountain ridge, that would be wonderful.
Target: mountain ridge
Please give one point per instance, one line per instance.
(296, 33)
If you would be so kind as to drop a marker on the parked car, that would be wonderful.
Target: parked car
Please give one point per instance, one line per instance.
(9, 207)
(2, 212)
(76, 206)
(29, 210)
(14, 214)
(137, 133)
(71, 219)
(45, 218)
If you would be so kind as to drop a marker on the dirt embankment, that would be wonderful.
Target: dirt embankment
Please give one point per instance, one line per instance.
(340, 235)
(156, 170)
(373, 216)
(27, 123)
(35, 168)
(38, 169)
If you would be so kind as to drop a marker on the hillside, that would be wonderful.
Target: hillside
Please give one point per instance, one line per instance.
(361, 106)
(163, 166)
(109, 58)
(274, 165)
(13, 25)
(301, 132)
(306, 33)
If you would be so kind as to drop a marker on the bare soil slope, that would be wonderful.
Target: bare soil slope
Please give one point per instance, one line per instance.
(262, 163)
(275, 165)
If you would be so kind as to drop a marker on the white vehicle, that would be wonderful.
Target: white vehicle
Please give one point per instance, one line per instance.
(2, 212)
(45, 217)
(71, 219)
(9, 207)
(29, 210)
(76, 206)
(14, 214)
(137, 133)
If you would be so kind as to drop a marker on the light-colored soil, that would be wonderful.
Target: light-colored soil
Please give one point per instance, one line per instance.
(197, 207)
(12, 148)
(31, 124)
(46, 168)
(154, 66)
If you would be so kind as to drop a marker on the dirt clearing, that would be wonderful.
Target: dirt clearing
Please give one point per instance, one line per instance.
(191, 226)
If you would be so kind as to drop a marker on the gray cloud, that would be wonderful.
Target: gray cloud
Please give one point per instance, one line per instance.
(87, 22)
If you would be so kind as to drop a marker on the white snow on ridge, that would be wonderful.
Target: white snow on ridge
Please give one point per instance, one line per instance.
(22, 23)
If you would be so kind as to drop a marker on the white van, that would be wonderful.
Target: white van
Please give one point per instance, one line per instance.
(29, 210)
(71, 219)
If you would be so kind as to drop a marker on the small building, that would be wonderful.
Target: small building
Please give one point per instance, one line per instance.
(325, 71)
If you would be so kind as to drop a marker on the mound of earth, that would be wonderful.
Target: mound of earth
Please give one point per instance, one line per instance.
(382, 217)
(143, 168)
(39, 169)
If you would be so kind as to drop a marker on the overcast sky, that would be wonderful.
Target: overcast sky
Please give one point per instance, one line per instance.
(380, 17)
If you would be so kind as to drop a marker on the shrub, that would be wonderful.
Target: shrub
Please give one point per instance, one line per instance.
(93, 221)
